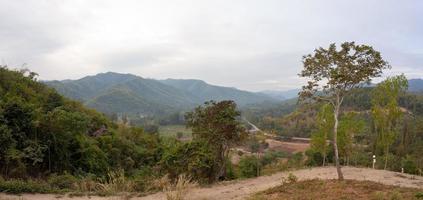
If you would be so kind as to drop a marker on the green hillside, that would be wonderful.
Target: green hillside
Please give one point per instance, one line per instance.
(205, 92)
(125, 93)
(43, 133)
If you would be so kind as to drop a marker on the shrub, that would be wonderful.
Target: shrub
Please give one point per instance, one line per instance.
(65, 181)
(314, 158)
(248, 166)
(143, 179)
(296, 160)
(194, 158)
(179, 135)
(409, 165)
(20, 186)
(292, 178)
(230, 171)
(274, 167)
(272, 156)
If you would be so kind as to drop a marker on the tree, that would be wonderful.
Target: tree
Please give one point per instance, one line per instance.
(349, 127)
(386, 112)
(217, 124)
(332, 73)
(325, 124)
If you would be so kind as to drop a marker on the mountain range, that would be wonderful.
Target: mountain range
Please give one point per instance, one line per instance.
(126, 93)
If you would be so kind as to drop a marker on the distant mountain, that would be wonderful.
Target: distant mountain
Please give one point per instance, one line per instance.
(281, 95)
(415, 85)
(126, 93)
(204, 92)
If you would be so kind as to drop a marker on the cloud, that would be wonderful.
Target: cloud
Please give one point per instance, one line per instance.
(249, 44)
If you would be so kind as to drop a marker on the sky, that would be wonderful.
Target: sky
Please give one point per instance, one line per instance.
(251, 45)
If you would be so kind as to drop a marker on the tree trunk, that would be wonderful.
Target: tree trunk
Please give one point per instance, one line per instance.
(335, 145)
(324, 159)
(386, 157)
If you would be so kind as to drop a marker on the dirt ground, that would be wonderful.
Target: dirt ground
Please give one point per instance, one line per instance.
(291, 147)
(244, 188)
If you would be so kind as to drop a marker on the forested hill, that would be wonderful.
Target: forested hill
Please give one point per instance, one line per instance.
(204, 92)
(126, 93)
(415, 85)
(43, 132)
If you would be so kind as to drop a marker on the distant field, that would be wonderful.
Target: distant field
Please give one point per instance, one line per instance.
(172, 130)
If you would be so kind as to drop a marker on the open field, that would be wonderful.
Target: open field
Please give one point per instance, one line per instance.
(172, 130)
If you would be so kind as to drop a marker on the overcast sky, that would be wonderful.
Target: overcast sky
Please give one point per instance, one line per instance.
(251, 45)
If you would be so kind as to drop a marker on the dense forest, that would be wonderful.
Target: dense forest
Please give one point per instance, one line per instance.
(43, 133)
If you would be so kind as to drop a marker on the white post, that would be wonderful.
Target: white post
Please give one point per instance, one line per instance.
(374, 161)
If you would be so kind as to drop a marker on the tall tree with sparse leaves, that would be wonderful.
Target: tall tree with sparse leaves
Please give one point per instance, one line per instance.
(320, 137)
(386, 112)
(333, 72)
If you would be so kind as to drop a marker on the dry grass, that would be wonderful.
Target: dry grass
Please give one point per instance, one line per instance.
(334, 190)
(115, 183)
(178, 190)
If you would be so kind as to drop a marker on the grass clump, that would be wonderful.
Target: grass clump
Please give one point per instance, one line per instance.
(114, 183)
(178, 190)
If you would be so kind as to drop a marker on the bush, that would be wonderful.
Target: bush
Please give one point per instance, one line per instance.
(179, 135)
(248, 166)
(195, 158)
(419, 195)
(292, 178)
(65, 181)
(409, 165)
(296, 160)
(143, 178)
(20, 186)
(272, 156)
(314, 158)
(230, 171)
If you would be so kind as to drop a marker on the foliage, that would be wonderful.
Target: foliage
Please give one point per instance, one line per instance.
(143, 99)
(216, 124)
(292, 178)
(350, 126)
(194, 158)
(43, 133)
(65, 181)
(248, 166)
(320, 137)
(17, 186)
(386, 112)
(332, 73)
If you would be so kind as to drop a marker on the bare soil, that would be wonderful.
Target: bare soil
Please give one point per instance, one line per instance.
(242, 189)
(291, 147)
(334, 190)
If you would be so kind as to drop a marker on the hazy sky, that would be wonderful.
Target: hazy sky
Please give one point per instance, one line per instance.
(252, 45)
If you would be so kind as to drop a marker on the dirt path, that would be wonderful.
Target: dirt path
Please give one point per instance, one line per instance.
(244, 188)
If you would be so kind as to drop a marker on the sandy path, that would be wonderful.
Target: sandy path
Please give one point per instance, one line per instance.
(244, 188)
